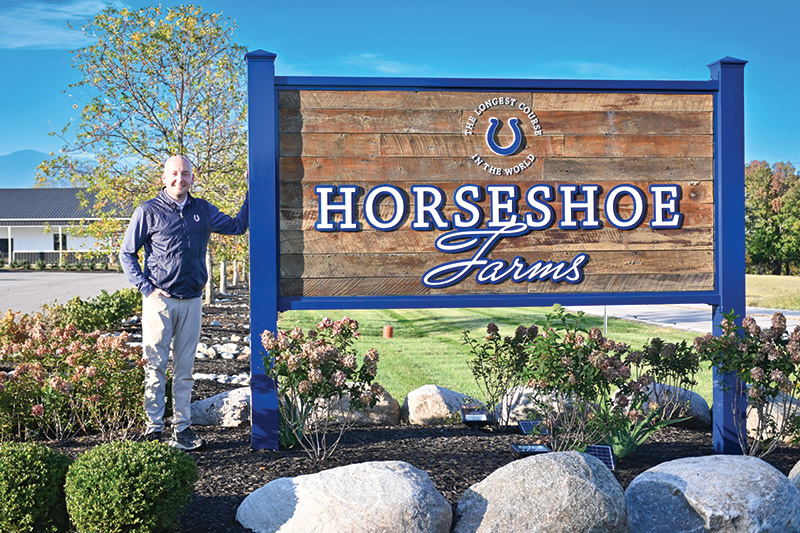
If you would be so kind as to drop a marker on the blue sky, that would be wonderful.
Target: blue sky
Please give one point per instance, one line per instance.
(505, 38)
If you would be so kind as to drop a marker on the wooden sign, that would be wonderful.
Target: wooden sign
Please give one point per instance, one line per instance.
(387, 193)
(376, 193)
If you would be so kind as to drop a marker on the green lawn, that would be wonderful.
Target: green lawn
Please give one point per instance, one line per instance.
(427, 346)
(777, 292)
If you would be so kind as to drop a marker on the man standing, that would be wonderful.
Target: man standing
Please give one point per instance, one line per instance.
(174, 229)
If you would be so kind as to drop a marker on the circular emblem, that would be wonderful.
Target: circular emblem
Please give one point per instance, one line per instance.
(504, 116)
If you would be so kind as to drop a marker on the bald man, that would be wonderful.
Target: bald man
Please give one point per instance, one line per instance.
(174, 228)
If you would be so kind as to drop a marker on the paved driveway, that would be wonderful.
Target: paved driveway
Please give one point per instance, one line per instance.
(26, 291)
(692, 317)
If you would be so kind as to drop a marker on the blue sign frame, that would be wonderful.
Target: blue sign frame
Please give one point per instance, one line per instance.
(727, 87)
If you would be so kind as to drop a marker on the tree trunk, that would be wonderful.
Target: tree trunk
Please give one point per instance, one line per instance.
(236, 273)
(223, 278)
(210, 281)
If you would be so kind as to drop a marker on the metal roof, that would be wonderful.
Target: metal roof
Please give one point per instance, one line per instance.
(51, 204)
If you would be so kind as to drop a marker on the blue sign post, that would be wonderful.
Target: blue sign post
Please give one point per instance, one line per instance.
(275, 282)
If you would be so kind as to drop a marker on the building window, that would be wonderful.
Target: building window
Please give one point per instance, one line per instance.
(59, 244)
(4, 247)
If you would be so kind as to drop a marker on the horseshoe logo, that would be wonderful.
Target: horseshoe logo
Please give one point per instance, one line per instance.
(511, 148)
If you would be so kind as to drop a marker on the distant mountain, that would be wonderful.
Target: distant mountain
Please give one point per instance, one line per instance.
(18, 170)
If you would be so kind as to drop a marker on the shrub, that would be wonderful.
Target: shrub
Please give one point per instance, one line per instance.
(66, 381)
(129, 486)
(497, 364)
(315, 373)
(672, 364)
(104, 312)
(766, 363)
(575, 372)
(32, 488)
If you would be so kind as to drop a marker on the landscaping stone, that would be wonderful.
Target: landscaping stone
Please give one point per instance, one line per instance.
(386, 412)
(227, 409)
(431, 404)
(386, 497)
(696, 405)
(547, 493)
(713, 493)
(230, 347)
(778, 409)
(517, 405)
(794, 475)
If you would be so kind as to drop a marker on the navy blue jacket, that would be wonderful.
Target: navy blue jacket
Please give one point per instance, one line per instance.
(175, 243)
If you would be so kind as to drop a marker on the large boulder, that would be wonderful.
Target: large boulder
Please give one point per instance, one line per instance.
(431, 405)
(794, 475)
(694, 405)
(552, 492)
(517, 404)
(385, 497)
(227, 409)
(781, 410)
(713, 493)
(386, 412)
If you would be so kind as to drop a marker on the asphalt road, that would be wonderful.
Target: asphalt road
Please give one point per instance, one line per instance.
(691, 317)
(26, 291)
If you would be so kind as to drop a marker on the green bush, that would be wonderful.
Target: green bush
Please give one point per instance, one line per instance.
(104, 312)
(129, 486)
(32, 488)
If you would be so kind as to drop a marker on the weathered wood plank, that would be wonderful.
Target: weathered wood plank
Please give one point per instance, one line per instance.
(694, 192)
(666, 170)
(430, 169)
(468, 101)
(387, 170)
(394, 145)
(638, 146)
(409, 241)
(454, 121)
(297, 218)
(413, 286)
(387, 99)
(622, 101)
(366, 265)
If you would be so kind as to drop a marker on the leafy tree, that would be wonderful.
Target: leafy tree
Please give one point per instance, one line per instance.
(772, 216)
(160, 82)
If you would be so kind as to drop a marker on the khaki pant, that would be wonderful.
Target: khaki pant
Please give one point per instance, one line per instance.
(169, 324)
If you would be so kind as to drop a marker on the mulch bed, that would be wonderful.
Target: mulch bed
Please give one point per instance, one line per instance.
(455, 457)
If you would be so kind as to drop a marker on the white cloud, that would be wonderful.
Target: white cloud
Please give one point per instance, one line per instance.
(580, 69)
(46, 24)
(377, 64)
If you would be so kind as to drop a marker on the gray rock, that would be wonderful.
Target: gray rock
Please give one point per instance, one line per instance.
(230, 347)
(548, 493)
(228, 409)
(694, 405)
(780, 411)
(386, 412)
(215, 323)
(385, 497)
(236, 338)
(794, 475)
(431, 404)
(516, 405)
(228, 355)
(713, 493)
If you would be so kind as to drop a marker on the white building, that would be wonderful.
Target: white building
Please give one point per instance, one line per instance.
(35, 223)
